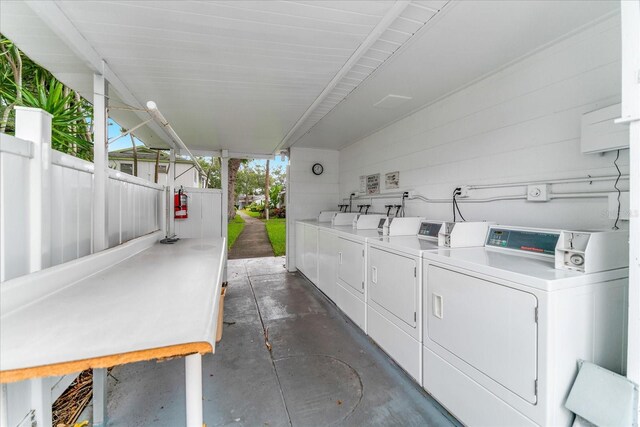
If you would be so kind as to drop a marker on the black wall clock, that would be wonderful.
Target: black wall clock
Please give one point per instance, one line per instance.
(317, 169)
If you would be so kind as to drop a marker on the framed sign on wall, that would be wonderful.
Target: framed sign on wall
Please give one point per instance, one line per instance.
(373, 184)
(392, 180)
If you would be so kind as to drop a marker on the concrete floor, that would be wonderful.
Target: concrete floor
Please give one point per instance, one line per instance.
(322, 369)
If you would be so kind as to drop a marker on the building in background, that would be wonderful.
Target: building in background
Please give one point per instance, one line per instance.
(186, 174)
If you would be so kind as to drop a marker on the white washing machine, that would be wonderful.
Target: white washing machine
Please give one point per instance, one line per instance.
(503, 329)
(307, 248)
(350, 290)
(327, 260)
(394, 300)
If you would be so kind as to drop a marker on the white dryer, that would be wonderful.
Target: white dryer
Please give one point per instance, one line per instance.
(327, 260)
(394, 295)
(350, 292)
(503, 329)
(394, 291)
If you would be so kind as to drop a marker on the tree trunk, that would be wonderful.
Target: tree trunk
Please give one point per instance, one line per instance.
(234, 165)
(155, 178)
(266, 192)
(135, 155)
(206, 182)
(15, 61)
(87, 129)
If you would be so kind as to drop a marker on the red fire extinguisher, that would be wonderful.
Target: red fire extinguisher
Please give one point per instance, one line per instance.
(180, 205)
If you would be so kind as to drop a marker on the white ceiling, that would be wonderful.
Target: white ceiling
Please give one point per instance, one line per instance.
(470, 40)
(238, 75)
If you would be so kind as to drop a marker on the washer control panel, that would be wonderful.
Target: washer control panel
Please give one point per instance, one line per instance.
(534, 241)
(429, 230)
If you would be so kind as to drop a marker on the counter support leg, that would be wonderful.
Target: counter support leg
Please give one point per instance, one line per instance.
(99, 397)
(193, 378)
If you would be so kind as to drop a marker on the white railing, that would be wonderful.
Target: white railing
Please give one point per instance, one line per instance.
(135, 207)
(46, 219)
(15, 157)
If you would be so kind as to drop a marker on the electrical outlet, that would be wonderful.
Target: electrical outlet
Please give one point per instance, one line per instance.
(538, 192)
(464, 191)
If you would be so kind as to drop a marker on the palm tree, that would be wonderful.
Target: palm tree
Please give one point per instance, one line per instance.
(23, 82)
(10, 57)
(234, 165)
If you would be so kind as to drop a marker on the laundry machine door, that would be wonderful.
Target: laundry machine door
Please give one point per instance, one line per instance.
(488, 325)
(351, 264)
(393, 284)
(327, 263)
(311, 253)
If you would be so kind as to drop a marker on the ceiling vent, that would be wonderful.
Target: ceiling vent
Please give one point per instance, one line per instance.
(392, 101)
(382, 43)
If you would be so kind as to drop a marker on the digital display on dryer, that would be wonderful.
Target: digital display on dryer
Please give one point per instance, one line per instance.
(429, 229)
(527, 241)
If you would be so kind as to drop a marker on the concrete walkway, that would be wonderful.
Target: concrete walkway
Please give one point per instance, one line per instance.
(318, 368)
(253, 242)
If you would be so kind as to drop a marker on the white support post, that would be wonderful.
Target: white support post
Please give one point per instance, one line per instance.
(193, 389)
(99, 397)
(171, 183)
(34, 124)
(100, 175)
(224, 180)
(100, 224)
(41, 401)
(4, 402)
(290, 226)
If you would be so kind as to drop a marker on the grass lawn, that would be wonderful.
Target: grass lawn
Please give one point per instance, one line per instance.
(235, 228)
(276, 230)
(251, 214)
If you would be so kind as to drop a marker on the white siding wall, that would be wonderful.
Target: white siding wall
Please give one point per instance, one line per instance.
(309, 194)
(521, 123)
(146, 171)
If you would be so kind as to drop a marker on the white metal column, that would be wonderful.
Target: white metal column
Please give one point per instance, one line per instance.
(290, 226)
(41, 401)
(193, 389)
(100, 174)
(630, 10)
(100, 225)
(33, 124)
(171, 184)
(224, 181)
(100, 400)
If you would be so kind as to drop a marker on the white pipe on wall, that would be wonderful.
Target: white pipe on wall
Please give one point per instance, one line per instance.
(549, 181)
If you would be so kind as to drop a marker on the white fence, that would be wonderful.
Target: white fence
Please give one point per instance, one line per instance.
(136, 207)
(46, 218)
(205, 214)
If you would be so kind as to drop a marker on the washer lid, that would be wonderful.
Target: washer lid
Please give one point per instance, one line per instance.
(529, 270)
(409, 244)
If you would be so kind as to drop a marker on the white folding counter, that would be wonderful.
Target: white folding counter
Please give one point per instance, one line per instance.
(139, 301)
